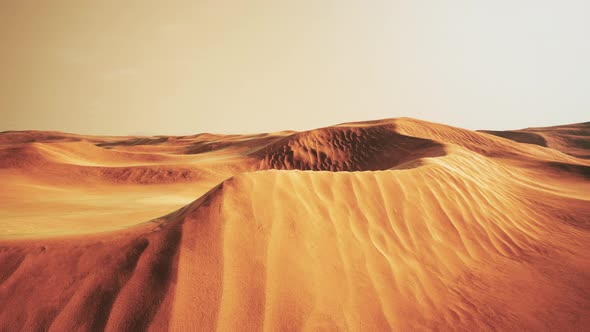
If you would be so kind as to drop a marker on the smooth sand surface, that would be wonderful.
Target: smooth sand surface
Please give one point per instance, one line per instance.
(396, 224)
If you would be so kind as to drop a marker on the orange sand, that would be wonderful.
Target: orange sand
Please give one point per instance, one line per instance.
(387, 225)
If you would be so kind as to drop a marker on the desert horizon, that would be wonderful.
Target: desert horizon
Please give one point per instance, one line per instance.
(286, 130)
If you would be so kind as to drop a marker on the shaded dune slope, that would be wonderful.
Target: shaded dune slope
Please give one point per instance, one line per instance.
(342, 148)
(447, 229)
(114, 281)
(520, 136)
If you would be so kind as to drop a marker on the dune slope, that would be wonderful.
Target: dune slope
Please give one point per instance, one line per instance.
(326, 250)
(444, 229)
(572, 139)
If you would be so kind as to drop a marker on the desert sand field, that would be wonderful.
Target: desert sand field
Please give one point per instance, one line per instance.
(396, 224)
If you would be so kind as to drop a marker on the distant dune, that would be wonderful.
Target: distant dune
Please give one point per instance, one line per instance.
(397, 224)
(571, 139)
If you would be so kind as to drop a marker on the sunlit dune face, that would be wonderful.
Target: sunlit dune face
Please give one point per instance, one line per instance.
(396, 224)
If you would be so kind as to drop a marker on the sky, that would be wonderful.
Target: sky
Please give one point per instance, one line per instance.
(142, 67)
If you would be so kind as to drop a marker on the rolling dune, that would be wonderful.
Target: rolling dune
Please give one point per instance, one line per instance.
(395, 224)
(354, 148)
(571, 139)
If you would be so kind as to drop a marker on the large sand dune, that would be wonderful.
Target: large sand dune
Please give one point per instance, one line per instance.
(387, 225)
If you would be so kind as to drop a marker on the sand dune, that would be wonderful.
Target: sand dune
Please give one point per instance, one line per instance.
(571, 139)
(396, 224)
(354, 148)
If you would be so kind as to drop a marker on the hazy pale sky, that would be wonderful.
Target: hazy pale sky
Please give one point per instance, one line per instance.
(181, 67)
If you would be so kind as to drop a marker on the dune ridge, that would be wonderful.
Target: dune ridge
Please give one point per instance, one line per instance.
(363, 264)
(571, 139)
(436, 228)
(341, 148)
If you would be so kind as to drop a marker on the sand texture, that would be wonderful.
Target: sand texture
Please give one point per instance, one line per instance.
(397, 224)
